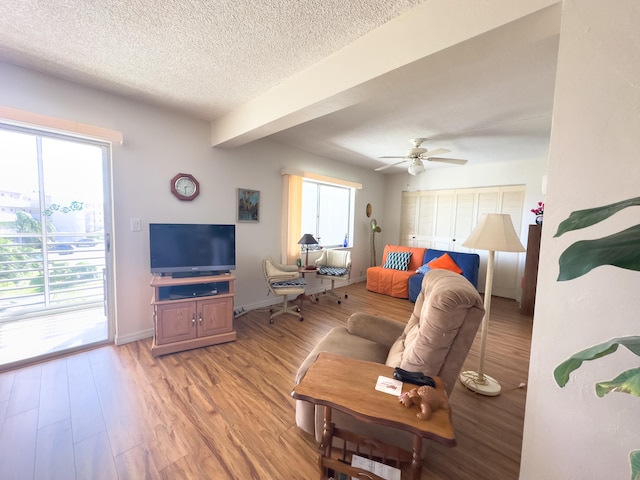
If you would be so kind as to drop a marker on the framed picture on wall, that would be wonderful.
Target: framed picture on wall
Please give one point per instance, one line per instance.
(248, 205)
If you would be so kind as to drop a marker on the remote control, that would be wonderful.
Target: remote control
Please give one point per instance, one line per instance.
(417, 378)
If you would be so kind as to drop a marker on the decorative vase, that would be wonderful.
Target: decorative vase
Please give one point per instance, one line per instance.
(539, 220)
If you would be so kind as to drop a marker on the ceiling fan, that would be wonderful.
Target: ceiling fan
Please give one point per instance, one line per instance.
(417, 154)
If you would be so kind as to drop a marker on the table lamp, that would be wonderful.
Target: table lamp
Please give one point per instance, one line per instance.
(494, 232)
(306, 240)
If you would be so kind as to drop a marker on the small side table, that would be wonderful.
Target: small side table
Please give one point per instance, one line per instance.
(304, 271)
(348, 385)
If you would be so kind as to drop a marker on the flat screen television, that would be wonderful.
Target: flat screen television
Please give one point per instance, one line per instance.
(187, 249)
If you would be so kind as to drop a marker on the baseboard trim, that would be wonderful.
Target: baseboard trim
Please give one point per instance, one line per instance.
(132, 337)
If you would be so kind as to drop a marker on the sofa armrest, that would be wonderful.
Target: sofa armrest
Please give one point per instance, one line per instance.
(383, 331)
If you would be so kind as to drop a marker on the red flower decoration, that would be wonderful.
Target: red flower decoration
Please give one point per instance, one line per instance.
(539, 210)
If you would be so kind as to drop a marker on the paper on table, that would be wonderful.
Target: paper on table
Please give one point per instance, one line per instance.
(389, 385)
(382, 470)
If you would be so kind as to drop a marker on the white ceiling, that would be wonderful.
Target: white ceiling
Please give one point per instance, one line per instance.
(487, 99)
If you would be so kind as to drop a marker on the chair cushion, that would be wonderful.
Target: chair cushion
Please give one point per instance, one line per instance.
(294, 282)
(397, 260)
(333, 271)
(339, 341)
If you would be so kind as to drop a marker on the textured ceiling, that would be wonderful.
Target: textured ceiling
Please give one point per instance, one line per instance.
(204, 57)
(486, 99)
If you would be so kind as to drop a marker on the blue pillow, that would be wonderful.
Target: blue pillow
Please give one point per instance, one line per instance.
(397, 260)
(423, 268)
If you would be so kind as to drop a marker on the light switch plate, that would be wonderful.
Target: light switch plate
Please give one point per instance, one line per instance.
(135, 224)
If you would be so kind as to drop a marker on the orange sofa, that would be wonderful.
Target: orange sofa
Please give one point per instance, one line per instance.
(394, 282)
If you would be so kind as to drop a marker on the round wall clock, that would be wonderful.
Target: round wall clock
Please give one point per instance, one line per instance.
(185, 186)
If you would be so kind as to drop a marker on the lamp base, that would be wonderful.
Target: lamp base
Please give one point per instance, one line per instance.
(488, 386)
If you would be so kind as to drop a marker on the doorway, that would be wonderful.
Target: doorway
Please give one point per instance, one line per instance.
(54, 244)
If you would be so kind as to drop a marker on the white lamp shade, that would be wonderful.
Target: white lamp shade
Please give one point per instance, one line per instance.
(494, 232)
(416, 168)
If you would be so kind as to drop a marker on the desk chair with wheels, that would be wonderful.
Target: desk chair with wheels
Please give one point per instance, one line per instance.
(334, 265)
(283, 280)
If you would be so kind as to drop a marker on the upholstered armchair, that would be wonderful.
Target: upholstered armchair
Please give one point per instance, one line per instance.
(334, 265)
(283, 280)
(434, 341)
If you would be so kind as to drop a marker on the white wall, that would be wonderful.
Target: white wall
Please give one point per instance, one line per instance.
(570, 433)
(158, 144)
(528, 172)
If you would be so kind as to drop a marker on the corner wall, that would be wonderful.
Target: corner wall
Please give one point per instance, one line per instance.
(570, 433)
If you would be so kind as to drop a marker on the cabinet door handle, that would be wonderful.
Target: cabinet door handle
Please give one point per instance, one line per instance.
(200, 317)
(193, 319)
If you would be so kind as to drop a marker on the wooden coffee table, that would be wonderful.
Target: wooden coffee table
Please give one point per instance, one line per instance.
(348, 385)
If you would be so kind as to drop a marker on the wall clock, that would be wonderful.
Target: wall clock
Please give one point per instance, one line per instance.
(185, 186)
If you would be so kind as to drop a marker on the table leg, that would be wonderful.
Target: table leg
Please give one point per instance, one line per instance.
(324, 450)
(416, 463)
(302, 297)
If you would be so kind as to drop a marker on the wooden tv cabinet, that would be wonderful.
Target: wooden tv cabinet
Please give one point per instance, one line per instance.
(191, 312)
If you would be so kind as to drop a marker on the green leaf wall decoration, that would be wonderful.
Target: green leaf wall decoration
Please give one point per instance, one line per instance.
(621, 249)
(634, 458)
(591, 216)
(562, 371)
(626, 382)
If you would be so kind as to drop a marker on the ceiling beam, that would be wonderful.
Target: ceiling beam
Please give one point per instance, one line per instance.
(356, 72)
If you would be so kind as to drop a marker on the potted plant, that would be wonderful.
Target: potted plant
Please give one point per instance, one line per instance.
(539, 212)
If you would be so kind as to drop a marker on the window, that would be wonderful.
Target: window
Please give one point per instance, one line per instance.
(327, 212)
(319, 205)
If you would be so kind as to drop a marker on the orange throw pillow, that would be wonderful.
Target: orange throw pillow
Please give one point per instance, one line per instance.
(445, 262)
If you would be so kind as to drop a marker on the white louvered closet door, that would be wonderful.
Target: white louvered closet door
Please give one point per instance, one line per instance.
(509, 266)
(444, 219)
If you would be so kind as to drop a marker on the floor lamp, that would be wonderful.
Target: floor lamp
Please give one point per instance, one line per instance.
(494, 233)
(375, 228)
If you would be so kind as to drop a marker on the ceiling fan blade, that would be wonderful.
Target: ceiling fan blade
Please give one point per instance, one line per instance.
(437, 151)
(384, 167)
(454, 161)
(394, 156)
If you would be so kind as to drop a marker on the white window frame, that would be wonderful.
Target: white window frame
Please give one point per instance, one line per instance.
(317, 208)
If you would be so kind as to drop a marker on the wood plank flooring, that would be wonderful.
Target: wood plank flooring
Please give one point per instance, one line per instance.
(225, 411)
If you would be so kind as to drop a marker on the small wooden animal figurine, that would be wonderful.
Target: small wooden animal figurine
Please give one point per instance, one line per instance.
(428, 398)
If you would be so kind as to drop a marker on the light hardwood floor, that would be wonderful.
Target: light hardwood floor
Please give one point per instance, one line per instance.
(225, 411)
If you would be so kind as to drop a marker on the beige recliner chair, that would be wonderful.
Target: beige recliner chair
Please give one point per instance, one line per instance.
(435, 341)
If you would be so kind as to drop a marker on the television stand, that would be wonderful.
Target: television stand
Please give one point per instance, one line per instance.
(191, 312)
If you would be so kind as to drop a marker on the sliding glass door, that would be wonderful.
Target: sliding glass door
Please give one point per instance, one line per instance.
(54, 244)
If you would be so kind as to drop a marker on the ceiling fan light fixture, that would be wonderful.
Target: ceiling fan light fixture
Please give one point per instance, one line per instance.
(416, 168)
